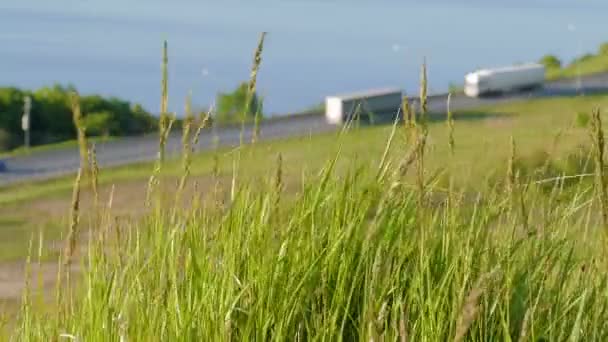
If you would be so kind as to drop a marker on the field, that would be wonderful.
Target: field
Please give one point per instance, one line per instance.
(321, 238)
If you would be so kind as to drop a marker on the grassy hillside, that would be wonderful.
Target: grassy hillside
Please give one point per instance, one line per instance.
(540, 127)
(482, 134)
(300, 260)
(333, 241)
(588, 64)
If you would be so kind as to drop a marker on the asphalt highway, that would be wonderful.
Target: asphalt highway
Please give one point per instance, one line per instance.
(49, 164)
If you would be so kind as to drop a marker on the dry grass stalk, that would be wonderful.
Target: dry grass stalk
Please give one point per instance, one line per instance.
(186, 149)
(65, 263)
(257, 61)
(515, 189)
(523, 333)
(26, 301)
(164, 125)
(511, 170)
(411, 157)
(397, 179)
(403, 335)
(94, 176)
(384, 165)
(409, 120)
(374, 336)
(406, 109)
(215, 172)
(74, 221)
(423, 94)
(450, 122)
(164, 99)
(380, 322)
(204, 120)
(422, 131)
(471, 307)
(40, 248)
(107, 217)
(278, 182)
(401, 171)
(523, 210)
(154, 180)
(80, 131)
(597, 136)
(166, 130)
(451, 144)
(94, 167)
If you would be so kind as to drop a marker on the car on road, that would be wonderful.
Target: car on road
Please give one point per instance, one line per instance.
(2, 166)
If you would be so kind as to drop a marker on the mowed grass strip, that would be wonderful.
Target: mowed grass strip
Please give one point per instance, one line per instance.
(483, 137)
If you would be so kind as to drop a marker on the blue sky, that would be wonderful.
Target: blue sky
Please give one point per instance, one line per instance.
(314, 49)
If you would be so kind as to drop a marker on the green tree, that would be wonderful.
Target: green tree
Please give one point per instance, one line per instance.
(551, 62)
(232, 106)
(604, 49)
(99, 124)
(584, 58)
(51, 115)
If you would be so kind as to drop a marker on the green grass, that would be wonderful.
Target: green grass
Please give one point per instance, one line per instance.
(17, 231)
(354, 255)
(20, 151)
(482, 136)
(482, 147)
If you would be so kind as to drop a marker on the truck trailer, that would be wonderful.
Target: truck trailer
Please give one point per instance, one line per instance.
(505, 79)
(340, 109)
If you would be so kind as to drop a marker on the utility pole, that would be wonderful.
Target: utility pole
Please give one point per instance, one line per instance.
(25, 120)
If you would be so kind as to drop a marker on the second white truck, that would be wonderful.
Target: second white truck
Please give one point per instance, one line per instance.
(343, 108)
(505, 79)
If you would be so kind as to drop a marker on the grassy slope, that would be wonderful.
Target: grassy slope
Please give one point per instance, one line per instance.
(349, 259)
(532, 123)
(482, 146)
(593, 65)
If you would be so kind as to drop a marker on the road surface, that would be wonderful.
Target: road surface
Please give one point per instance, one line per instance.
(48, 164)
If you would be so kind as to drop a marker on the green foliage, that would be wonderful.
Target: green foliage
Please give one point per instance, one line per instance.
(584, 58)
(231, 106)
(582, 119)
(603, 50)
(551, 62)
(51, 116)
(587, 64)
(5, 140)
(97, 124)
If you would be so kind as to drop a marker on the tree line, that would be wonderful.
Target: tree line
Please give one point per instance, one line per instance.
(51, 116)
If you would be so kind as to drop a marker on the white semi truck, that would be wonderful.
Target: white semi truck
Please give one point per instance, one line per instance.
(505, 79)
(342, 108)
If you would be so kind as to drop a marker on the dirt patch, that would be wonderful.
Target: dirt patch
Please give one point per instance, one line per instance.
(500, 122)
(42, 277)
